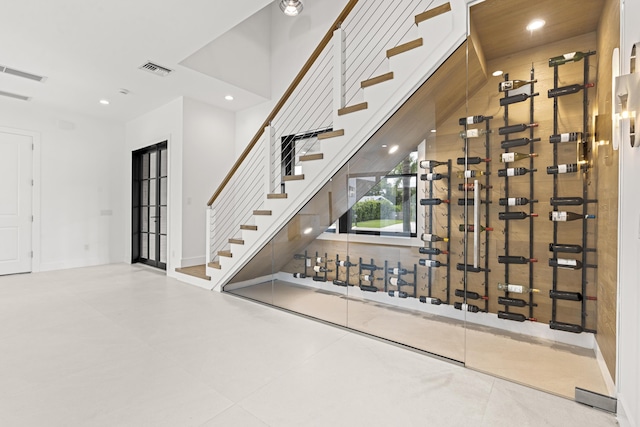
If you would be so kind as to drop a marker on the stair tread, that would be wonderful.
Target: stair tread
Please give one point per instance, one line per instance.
(215, 264)
(378, 79)
(249, 227)
(353, 108)
(292, 178)
(309, 157)
(262, 212)
(277, 196)
(227, 254)
(404, 47)
(198, 271)
(432, 13)
(236, 241)
(332, 134)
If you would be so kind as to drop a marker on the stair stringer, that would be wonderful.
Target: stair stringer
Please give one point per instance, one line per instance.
(448, 32)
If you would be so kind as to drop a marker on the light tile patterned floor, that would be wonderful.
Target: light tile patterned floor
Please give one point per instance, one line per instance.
(123, 345)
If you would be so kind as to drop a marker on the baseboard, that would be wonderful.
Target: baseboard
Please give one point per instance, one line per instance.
(606, 376)
(74, 263)
(190, 262)
(246, 283)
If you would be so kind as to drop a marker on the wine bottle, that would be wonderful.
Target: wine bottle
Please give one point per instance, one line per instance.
(432, 202)
(299, 275)
(471, 187)
(398, 294)
(320, 259)
(429, 300)
(504, 259)
(432, 176)
(397, 271)
(515, 171)
(504, 216)
(470, 202)
(368, 288)
(397, 281)
(433, 238)
(517, 289)
(517, 142)
(340, 283)
(321, 269)
(565, 137)
(470, 228)
(514, 316)
(565, 295)
(471, 160)
(471, 173)
(570, 264)
(567, 90)
(432, 251)
(472, 120)
(505, 130)
(370, 267)
(561, 247)
(514, 201)
(369, 278)
(469, 268)
(431, 263)
(345, 264)
(300, 256)
(514, 157)
(430, 164)
(469, 295)
(508, 100)
(567, 57)
(319, 279)
(561, 216)
(466, 307)
(566, 201)
(513, 84)
(567, 327)
(512, 302)
(568, 168)
(473, 133)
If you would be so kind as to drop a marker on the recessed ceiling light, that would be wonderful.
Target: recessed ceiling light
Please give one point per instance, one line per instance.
(384, 145)
(433, 131)
(104, 101)
(497, 73)
(229, 98)
(393, 149)
(536, 24)
(308, 230)
(291, 7)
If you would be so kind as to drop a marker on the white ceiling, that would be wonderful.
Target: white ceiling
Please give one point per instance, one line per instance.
(89, 50)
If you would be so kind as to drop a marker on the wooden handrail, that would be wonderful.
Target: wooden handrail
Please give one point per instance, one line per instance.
(307, 66)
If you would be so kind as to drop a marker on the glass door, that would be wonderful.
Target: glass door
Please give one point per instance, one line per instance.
(149, 219)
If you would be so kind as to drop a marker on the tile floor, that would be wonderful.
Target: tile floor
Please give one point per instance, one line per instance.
(124, 345)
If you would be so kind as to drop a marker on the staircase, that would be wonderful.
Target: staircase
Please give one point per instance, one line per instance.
(375, 59)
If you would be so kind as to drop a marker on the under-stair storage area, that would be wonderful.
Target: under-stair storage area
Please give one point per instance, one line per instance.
(466, 208)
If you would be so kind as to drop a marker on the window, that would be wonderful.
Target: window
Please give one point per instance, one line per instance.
(383, 204)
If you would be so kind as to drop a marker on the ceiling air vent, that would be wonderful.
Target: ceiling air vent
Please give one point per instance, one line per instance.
(23, 74)
(156, 69)
(14, 95)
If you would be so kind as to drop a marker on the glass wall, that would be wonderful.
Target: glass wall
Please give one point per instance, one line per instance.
(470, 226)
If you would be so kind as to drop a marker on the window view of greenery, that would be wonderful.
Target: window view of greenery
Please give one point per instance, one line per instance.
(387, 208)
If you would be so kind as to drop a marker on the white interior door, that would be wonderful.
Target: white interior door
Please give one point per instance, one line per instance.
(16, 174)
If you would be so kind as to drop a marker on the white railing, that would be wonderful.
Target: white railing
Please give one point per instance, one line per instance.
(357, 52)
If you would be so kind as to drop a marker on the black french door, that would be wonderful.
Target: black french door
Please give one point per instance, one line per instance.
(149, 206)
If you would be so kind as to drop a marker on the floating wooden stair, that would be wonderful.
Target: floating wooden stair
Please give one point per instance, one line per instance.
(265, 213)
(292, 178)
(376, 80)
(353, 108)
(432, 13)
(249, 227)
(215, 264)
(199, 271)
(277, 196)
(309, 157)
(227, 254)
(236, 241)
(332, 134)
(404, 47)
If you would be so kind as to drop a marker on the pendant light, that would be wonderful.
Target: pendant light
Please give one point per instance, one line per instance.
(291, 7)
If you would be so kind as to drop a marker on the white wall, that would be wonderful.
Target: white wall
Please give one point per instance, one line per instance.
(628, 377)
(161, 124)
(80, 210)
(208, 154)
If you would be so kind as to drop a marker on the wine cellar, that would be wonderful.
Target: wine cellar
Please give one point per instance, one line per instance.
(506, 258)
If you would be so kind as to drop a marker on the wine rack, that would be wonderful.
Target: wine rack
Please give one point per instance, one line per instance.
(399, 273)
(507, 259)
(322, 267)
(347, 265)
(430, 229)
(368, 269)
(475, 267)
(582, 148)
